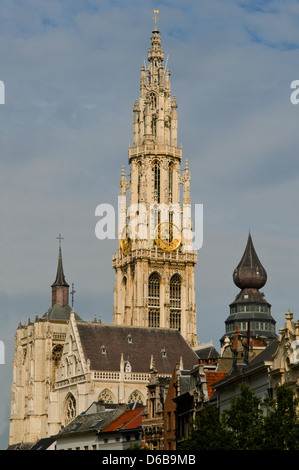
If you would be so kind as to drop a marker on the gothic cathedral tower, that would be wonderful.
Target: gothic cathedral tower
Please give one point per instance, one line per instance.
(154, 263)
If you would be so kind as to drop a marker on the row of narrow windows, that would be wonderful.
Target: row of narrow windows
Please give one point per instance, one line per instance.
(250, 308)
(254, 325)
(156, 182)
(154, 301)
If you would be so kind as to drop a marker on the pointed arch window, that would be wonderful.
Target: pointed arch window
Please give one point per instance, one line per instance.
(106, 396)
(156, 181)
(56, 358)
(170, 181)
(154, 300)
(70, 409)
(136, 397)
(175, 302)
(154, 125)
(153, 100)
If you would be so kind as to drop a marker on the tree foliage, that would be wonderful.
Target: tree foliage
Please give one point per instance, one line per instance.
(243, 426)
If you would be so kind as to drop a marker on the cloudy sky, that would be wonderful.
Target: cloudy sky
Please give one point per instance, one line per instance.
(71, 71)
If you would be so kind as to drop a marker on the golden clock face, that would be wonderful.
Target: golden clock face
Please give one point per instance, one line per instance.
(167, 236)
(126, 240)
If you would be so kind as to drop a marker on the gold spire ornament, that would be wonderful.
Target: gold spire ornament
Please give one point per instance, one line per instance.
(126, 240)
(155, 17)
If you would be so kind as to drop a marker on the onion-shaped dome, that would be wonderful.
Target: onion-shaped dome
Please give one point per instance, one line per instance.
(250, 272)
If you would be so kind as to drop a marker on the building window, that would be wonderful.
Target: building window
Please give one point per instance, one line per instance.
(153, 100)
(106, 396)
(70, 409)
(56, 358)
(175, 302)
(154, 300)
(170, 181)
(154, 125)
(153, 318)
(136, 397)
(156, 177)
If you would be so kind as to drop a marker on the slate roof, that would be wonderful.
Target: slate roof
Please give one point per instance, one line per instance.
(60, 278)
(91, 422)
(137, 346)
(266, 355)
(57, 313)
(43, 444)
(208, 352)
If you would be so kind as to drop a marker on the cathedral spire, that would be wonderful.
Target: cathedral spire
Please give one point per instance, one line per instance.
(60, 288)
(148, 291)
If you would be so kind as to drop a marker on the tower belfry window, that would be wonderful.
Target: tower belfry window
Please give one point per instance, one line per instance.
(170, 181)
(153, 101)
(156, 176)
(154, 300)
(175, 302)
(154, 125)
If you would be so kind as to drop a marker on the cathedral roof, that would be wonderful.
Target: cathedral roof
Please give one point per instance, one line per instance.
(250, 272)
(105, 345)
(58, 313)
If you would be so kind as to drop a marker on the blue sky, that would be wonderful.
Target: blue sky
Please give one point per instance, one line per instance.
(71, 72)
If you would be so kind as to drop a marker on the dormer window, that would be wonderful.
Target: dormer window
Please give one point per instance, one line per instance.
(130, 339)
(163, 352)
(103, 350)
(128, 367)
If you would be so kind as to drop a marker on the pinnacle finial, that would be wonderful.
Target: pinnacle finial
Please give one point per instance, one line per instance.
(155, 17)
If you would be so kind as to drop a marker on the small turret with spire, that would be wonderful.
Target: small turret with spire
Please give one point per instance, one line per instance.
(250, 312)
(60, 309)
(60, 288)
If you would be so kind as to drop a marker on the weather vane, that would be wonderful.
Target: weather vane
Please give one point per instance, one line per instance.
(155, 17)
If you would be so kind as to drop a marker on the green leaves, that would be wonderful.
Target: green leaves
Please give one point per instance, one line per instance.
(243, 426)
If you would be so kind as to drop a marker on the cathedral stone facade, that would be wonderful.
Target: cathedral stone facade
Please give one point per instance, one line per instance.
(154, 263)
(62, 363)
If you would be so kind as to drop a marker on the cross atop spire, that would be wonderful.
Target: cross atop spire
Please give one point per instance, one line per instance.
(60, 238)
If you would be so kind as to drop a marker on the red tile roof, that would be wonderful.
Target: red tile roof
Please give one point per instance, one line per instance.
(130, 419)
(212, 378)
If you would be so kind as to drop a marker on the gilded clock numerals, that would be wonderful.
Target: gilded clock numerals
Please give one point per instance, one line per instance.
(167, 236)
(126, 241)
